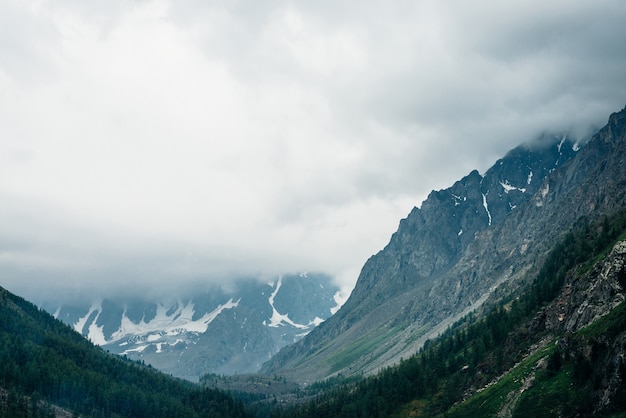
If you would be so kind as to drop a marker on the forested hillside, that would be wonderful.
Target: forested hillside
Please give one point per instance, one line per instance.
(555, 349)
(44, 362)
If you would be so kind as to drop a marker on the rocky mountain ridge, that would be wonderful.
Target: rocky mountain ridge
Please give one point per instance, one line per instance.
(208, 330)
(468, 244)
(554, 348)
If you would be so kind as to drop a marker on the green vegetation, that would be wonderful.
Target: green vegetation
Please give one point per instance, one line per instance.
(565, 385)
(490, 400)
(357, 349)
(474, 352)
(553, 396)
(42, 359)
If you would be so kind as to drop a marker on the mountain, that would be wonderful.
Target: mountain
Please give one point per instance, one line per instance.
(47, 369)
(467, 245)
(555, 348)
(206, 329)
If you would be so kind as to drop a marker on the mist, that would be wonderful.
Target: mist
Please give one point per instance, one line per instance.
(148, 145)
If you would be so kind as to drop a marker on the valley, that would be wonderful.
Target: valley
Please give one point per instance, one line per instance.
(503, 295)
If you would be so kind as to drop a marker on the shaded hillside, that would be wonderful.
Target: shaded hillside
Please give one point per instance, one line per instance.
(43, 359)
(474, 242)
(554, 349)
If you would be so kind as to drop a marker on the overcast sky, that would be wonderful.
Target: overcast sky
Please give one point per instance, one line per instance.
(148, 142)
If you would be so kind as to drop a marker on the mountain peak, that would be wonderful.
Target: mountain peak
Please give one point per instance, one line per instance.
(617, 123)
(464, 245)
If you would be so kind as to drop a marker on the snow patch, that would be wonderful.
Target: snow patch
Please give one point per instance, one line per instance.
(486, 207)
(458, 199)
(340, 297)
(277, 318)
(79, 326)
(316, 321)
(460, 232)
(507, 187)
(135, 350)
(561, 143)
(530, 177)
(178, 322)
(96, 333)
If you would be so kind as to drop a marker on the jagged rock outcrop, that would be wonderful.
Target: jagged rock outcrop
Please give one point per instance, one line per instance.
(587, 297)
(479, 239)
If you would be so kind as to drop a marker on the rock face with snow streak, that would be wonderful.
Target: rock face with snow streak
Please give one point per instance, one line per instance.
(211, 331)
(468, 243)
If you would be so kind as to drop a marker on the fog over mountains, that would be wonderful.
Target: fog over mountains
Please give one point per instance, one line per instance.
(464, 246)
(502, 294)
(156, 142)
(211, 330)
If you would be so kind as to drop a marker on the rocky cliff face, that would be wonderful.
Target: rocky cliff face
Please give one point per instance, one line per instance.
(432, 239)
(585, 323)
(477, 240)
(587, 296)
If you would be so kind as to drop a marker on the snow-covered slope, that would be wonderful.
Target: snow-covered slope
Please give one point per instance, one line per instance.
(210, 331)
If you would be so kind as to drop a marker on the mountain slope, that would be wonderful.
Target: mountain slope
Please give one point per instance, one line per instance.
(467, 244)
(44, 359)
(577, 366)
(206, 330)
(554, 348)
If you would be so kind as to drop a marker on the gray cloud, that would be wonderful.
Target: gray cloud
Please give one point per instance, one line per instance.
(151, 143)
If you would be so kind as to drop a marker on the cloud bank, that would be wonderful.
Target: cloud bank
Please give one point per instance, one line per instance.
(149, 143)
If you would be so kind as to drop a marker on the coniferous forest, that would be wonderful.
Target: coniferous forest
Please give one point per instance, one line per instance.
(41, 359)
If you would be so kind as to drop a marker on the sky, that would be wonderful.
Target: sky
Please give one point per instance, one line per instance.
(151, 143)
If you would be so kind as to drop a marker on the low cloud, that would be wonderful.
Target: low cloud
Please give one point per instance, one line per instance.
(157, 142)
